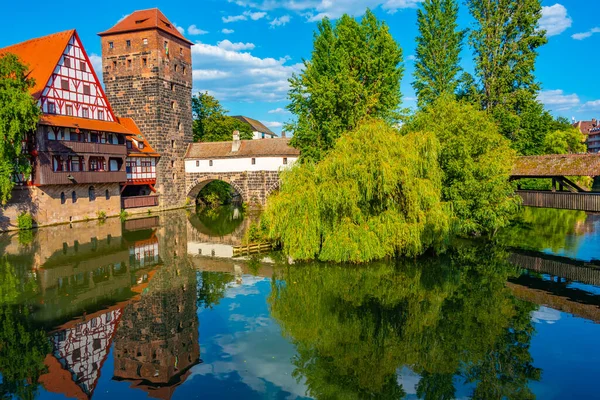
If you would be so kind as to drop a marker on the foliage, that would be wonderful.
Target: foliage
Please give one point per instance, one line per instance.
(367, 199)
(477, 162)
(570, 140)
(101, 215)
(211, 124)
(19, 115)
(355, 327)
(438, 50)
(354, 73)
(212, 287)
(215, 193)
(123, 215)
(219, 221)
(24, 221)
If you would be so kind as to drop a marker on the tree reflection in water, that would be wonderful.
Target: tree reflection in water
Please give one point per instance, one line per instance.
(446, 318)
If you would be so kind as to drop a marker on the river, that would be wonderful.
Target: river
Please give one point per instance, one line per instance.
(155, 307)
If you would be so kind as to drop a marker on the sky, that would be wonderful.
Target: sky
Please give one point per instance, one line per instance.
(246, 50)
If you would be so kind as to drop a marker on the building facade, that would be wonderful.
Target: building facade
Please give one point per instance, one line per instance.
(259, 130)
(591, 130)
(147, 71)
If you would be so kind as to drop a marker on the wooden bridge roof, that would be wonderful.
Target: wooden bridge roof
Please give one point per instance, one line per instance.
(557, 165)
(248, 148)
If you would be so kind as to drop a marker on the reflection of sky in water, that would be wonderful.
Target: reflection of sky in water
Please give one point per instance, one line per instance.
(584, 246)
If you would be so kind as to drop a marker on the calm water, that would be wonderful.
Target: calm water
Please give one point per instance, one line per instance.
(156, 308)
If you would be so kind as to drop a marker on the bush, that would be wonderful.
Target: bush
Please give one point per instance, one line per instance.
(25, 221)
(101, 215)
(123, 215)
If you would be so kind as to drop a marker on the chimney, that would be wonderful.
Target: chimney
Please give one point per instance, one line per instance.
(235, 145)
(283, 134)
(594, 122)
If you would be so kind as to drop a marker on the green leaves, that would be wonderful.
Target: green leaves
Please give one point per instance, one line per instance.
(19, 115)
(210, 122)
(354, 73)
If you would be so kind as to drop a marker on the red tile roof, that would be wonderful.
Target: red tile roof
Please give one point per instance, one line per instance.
(586, 126)
(248, 148)
(143, 20)
(257, 126)
(41, 55)
(135, 151)
(84, 123)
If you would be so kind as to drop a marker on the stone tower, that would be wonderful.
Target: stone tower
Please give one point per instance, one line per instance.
(147, 70)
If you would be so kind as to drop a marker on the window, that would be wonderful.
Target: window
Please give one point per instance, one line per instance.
(172, 163)
(85, 112)
(100, 115)
(181, 51)
(114, 65)
(74, 197)
(92, 193)
(51, 108)
(57, 164)
(128, 43)
(86, 89)
(141, 146)
(173, 105)
(144, 41)
(96, 164)
(75, 163)
(144, 61)
(284, 160)
(64, 84)
(129, 146)
(166, 45)
(184, 70)
(197, 163)
(51, 134)
(94, 137)
(63, 198)
(210, 163)
(172, 144)
(128, 63)
(69, 109)
(254, 161)
(107, 194)
(180, 126)
(67, 62)
(110, 137)
(83, 66)
(175, 67)
(111, 45)
(172, 87)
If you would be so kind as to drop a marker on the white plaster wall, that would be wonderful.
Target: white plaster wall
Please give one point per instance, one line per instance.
(210, 250)
(259, 135)
(237, 164)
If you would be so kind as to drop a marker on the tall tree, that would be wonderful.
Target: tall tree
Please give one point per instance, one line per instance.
(354, 73)
(19, 115)
(505, 44)
(438, 50)
(211, 124)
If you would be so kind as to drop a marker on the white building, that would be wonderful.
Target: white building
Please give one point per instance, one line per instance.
(259, 130)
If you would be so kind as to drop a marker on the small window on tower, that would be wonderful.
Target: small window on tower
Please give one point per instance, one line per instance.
(101, 115)
(64, 84)
(128, 43)
(181, 51)
(69, 109)
(82, 66)
(128, 63)
(141, 146)
(145, 41)
(67, 62)
(175, 67)
(114, 65)
(51, 108)
(85, 112)
(166, 46)
(173, 105)
(184, 70)
(86, 89)
(172, 87)
(144, 61)
(180, 126)
(172, 144)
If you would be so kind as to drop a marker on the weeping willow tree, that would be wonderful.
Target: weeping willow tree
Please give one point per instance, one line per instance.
(376, 194)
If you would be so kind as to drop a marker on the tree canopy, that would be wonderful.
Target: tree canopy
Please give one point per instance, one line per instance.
(211, 124)
(19, 115)
(354, 73)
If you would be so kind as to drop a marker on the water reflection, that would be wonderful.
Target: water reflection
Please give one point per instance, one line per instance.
(154, 307)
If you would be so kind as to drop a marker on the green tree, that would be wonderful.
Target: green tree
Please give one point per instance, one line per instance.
(367, 199)
(566, 141)
(438, 50)
(211, 124)
(476, 162)
(354, 73)
(19, 115)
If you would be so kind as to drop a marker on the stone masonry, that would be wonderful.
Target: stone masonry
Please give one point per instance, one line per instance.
(253, 186)
(151, 81)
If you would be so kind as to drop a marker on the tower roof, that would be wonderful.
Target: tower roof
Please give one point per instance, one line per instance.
(41, 55)
(143, 20)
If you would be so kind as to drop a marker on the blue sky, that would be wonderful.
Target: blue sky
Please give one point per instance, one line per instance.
(248, 48)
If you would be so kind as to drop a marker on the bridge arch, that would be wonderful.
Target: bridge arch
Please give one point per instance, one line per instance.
(200, 182)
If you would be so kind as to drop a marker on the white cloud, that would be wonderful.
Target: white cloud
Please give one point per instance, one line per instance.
(122, 18)
(279, 110)
(227, 31)
(280, 21)
(591, 106)
(585, 35)
(555, 20)
(242, 76)
(181, 29)
(412, 57)
(254, 16)
(96, 61)
(228, 45)
(194, 30)
(273, 124)
(557, 100)
(315, 10)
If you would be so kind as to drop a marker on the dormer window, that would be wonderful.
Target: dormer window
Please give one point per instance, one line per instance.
(140, 145)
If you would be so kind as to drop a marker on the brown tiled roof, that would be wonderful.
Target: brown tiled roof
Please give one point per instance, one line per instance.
(67, 121)
(248, 148)
(558, 165)
(586, 126)
(257, 126)
(135, 151)
(143, 20)
(41, 56)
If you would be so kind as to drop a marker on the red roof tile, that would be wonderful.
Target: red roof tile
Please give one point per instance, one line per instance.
(256, 125)
(143, 20)
(83, 123)
(248, 148)
(41, 55)
(135, 151)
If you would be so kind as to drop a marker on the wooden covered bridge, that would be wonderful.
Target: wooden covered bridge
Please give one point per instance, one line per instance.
(564, 192)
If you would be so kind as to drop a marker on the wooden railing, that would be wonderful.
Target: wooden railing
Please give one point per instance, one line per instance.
(563, 200)
(49, 177)
(61, 146)
(139, 201)
(142, 223)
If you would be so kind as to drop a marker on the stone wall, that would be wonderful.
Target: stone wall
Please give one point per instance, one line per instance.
(47, 205)
(154, 88)
(254, 187)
